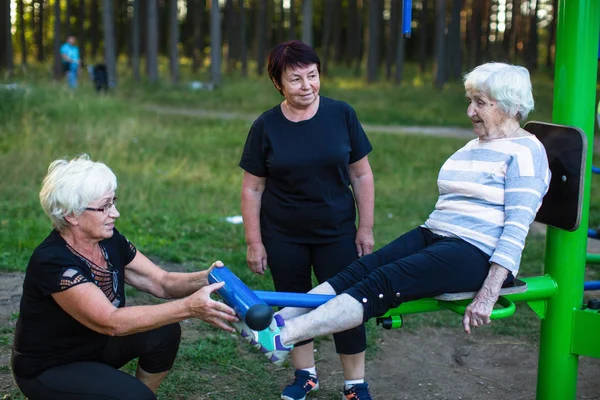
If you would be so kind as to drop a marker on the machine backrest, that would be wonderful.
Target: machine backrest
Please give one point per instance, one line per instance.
(566, 147)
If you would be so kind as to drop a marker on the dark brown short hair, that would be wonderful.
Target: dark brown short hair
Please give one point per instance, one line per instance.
(293, 53)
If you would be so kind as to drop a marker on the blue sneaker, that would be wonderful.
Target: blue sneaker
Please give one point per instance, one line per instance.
(360, 391)
(304, 383)
(268, 341)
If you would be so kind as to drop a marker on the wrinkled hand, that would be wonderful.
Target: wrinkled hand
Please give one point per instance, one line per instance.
(478, 312)
(364, 242)
(208, 310)
(256, 257)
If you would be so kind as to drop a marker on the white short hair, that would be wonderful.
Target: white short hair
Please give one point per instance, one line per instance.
(509, 85)
(70, 186)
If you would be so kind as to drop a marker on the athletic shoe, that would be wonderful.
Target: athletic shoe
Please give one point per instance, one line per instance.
(268, 341)
(304, 383)
(359, 391)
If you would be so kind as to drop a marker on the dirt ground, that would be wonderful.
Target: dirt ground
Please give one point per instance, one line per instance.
(442, 364)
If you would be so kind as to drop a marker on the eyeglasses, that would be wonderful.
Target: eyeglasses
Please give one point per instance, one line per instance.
(105, 208)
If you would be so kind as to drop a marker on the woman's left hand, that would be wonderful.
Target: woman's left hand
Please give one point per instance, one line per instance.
(364, 242)
(478, 312)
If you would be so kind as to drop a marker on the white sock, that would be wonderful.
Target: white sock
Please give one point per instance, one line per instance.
(350, 383)
(311, 370)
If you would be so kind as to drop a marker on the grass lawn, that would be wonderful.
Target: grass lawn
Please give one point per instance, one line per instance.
(179, 180)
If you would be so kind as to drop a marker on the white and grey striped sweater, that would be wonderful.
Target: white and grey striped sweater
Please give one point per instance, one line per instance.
(490, 192)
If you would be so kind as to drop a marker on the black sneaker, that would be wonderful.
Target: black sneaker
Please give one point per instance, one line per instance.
(360, 391)
(304, 383)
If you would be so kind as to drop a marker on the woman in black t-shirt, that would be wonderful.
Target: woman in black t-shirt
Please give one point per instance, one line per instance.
(306, 172)
(74, 331)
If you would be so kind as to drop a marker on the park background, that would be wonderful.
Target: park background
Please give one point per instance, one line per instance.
(186, 80)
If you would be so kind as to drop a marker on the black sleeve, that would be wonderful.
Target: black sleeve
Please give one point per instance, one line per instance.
(253, 158)
(53, 275)
(126, 248)
(359, 141)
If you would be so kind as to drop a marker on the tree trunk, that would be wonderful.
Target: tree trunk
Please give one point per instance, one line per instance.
(95, 28)
(68, 13)
(152, 40)
(173, 41)
(110, 48)
(199, 9)
(307, 21)
(392, 42)
(532, 43)
(281, 22)
(326, 41)
(352, 34)
(8, 61)
(215, 43)
(261, 37)
(230, 29)
(440, 44)
(475, 48)
(423, 22)
(400, 49)
(81, 36)
(39, 29)
(454, 42)
(338, 31)
(292, 30)
(21, 29)
(57, 65)
(552, 37)
(135, 40)
(243, 45)
(374, 39)
(360, 31)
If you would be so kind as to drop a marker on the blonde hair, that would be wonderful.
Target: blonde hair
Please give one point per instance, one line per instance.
(509, 85)
(69, 186)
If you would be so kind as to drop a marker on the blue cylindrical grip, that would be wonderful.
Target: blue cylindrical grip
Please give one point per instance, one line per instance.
(287, 299)
(246, 304)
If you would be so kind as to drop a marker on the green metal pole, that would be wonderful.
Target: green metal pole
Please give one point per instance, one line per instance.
(574, 104)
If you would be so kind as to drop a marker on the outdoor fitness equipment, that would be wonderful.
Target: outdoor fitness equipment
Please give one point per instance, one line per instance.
(569, 328)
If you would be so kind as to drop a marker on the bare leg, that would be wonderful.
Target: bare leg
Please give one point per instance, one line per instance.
(304, 356)
(153, 381)
(339, 314)
(353, 365)
(291, 312)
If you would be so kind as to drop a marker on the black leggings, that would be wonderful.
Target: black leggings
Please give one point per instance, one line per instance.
(290, 265)
(417, 264)
(101, 379)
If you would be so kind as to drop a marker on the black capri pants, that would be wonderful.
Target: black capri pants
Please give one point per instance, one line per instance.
(290, 264)
(101, 379)
(417, 264)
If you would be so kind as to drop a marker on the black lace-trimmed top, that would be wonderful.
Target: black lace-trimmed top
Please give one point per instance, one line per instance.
(45, 335)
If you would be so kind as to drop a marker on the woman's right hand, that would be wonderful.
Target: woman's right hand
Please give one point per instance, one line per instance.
(208, 310)
(256, 257)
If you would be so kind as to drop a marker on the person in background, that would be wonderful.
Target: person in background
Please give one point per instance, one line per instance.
(306, 171)
(490, 191)
(69, 53)
(74, 331)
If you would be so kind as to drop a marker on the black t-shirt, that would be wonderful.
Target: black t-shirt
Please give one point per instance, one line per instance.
(46, 336)
(307, 198)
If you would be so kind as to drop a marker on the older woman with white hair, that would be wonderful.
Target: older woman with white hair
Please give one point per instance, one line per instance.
(490, 191)
(74, 331)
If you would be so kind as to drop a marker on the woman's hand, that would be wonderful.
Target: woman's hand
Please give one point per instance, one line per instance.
(256, 257)
(216, 264)
(364, 241)
(479, 311)
(208, 310)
